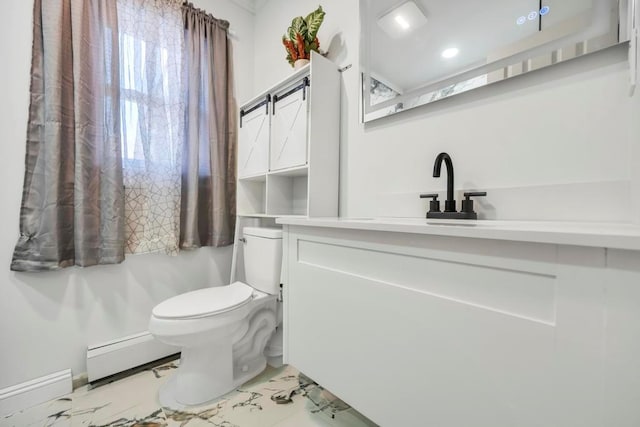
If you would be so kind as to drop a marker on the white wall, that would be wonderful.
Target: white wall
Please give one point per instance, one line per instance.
(48, 319)
(635, 156)
(242, 23)
(551, 145)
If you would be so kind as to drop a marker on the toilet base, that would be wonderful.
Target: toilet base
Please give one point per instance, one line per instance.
(168, 391)
(275, 362)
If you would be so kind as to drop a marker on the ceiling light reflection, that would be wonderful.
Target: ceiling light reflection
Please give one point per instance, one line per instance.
(450, 53)
(402, 22)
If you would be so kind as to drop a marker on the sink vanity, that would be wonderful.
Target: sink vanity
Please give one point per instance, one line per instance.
(417, 322)
(439, 322)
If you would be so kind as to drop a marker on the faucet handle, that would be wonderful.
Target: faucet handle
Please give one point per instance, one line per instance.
(434, 205)
(467, 203)
(475, 194)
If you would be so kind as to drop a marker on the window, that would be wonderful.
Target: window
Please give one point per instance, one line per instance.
(152, 124)
(105, 169)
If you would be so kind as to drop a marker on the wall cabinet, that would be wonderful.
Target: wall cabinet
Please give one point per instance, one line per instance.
(288, 151)
(288, 148)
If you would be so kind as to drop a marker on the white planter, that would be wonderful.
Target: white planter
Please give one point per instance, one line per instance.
(300, 63)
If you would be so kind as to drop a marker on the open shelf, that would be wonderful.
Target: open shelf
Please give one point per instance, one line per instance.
(287, 195)
(258, 178)
(296, 171)
(248, 215)
(251, 195)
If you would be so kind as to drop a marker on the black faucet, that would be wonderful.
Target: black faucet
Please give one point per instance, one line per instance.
(450, 203)
(450, 212)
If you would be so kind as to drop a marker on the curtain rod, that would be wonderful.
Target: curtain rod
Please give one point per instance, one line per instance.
(231, 33)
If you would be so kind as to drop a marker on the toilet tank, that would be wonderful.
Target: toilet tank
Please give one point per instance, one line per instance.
(263, 258)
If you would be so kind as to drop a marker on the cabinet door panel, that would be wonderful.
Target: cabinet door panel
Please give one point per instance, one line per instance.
(289, 131)
(253, 145)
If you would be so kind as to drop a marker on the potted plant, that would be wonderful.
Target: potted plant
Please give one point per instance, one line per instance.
(301, 38)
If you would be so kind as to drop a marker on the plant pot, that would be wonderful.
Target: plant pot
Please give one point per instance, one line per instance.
(300, 63)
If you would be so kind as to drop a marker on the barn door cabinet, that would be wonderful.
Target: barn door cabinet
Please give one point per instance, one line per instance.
(288, 146)
(288, 149)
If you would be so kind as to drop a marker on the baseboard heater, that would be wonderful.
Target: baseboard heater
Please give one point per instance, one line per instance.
(125, 353)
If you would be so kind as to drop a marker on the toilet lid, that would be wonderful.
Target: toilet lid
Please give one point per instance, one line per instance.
(204, 302)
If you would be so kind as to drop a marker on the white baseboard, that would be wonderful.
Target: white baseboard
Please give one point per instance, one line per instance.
(125, 353)
(34, 392)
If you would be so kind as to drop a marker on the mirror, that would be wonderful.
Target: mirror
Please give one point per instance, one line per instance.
(414, 52)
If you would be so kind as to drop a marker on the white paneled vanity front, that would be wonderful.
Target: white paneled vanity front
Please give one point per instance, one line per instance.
(418, 324)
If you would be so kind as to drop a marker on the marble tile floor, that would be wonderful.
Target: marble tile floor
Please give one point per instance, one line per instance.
(132, 402)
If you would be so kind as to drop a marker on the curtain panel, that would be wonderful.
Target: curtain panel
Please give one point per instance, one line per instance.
(131, 140)
(72, 201)
(152, 104)
(209, 156)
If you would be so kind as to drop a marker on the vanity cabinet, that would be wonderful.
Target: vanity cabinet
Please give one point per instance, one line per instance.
(428, 330)
(288, 147)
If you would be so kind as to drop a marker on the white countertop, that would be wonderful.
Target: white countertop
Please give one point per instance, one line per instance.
(601, 235)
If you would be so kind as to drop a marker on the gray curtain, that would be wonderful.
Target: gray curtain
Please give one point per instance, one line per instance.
(209, 158)
(72, 202)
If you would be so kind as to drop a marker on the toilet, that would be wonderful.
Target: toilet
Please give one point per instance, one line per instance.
(223, 330)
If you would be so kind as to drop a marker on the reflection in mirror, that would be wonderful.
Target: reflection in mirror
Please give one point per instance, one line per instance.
(419, 51)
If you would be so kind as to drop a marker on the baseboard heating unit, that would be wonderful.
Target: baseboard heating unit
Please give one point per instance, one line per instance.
(119, 355)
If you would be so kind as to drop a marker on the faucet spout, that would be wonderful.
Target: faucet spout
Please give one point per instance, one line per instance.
(450, 203)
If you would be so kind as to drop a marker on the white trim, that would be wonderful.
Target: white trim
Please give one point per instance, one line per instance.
(34, 392)
(115, 356)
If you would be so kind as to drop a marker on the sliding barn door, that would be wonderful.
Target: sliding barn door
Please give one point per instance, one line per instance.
(253, 145)
(289, 127)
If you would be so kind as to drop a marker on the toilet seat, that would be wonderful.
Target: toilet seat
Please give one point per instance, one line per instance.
(204, 302)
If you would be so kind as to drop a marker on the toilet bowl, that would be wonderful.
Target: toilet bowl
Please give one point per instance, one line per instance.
(222, 330)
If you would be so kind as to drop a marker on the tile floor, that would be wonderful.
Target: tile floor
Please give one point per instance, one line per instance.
(133, 402)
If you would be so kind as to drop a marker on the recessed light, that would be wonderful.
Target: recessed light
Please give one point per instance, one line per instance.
(450, 53)
(402, 20)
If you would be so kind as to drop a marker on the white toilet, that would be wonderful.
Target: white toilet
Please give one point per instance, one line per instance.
(223, 330)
